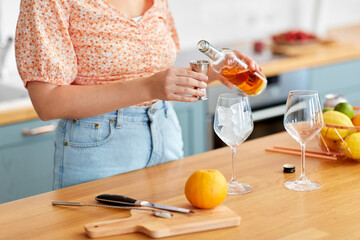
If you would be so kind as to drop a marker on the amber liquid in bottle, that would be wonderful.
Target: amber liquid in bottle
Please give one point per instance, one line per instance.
(226, 63)
(243, 79)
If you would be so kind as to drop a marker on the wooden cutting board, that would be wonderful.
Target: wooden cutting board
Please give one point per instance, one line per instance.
(301, 49)
(155, 227)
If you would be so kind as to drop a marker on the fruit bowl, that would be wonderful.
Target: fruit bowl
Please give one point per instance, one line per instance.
(341, 141)
(294, 37)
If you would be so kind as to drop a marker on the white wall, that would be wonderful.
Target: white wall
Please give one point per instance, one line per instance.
(224, 21)
(246, 20)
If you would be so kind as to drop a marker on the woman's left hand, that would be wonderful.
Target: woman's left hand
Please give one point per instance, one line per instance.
(253, 66)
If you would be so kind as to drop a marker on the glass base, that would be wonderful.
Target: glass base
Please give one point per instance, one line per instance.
(302, 185)
(238, 188)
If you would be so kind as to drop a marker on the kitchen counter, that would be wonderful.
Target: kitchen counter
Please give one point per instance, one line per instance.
(270, 211)
(17, 114)
(324, 54)
(344, 49)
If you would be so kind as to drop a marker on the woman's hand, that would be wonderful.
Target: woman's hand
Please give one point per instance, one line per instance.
(253, 66)
(177, 84)
(213, 76)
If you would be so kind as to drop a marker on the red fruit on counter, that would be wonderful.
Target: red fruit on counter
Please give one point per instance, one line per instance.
(258, 46)
(293, 36)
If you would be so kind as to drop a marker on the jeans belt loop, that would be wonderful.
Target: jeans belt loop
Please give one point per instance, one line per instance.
(166, 108)
(119, 118)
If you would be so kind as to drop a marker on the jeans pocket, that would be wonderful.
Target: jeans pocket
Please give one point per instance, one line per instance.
(84, 133)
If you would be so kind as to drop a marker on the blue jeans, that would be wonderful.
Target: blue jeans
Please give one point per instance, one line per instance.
(117, 142)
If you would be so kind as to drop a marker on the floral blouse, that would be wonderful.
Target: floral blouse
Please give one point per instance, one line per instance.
(87, 42)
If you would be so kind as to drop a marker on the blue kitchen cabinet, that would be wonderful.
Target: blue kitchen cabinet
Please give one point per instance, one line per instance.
(192, 119)
(26, 161)
(340, 78)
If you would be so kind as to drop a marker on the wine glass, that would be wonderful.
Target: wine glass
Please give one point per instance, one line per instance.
(233, 123)
(303, 120)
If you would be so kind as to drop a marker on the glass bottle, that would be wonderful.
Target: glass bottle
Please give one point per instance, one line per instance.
(226, 63)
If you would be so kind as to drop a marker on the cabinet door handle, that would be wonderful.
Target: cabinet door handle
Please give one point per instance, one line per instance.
(39, 130)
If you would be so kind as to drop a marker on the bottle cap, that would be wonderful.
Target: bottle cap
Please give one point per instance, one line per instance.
(288, 168)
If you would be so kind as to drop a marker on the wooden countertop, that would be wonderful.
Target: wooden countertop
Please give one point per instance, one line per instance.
(346, 48)
(17, 115)
(321, 55)
(270, 211)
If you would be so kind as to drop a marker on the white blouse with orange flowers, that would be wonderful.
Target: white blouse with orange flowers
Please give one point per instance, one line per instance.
(90, 42)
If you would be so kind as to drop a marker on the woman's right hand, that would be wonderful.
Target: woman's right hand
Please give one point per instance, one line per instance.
(177, 84)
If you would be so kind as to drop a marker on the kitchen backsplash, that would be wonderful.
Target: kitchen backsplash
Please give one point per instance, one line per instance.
(224, 21)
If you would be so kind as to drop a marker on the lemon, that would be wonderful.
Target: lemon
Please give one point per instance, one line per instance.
(339, 119)
(345, 108)
(351, 147)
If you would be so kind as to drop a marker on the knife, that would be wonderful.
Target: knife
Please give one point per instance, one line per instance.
(78, 204)
(119, 200)
(157, 213)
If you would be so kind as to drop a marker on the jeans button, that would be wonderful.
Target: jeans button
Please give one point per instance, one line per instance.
(153, 110)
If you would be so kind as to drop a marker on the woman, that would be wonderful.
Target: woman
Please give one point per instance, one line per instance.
(105, 68)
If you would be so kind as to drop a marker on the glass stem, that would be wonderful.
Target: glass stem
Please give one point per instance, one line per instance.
(233, 178)
(302, 175)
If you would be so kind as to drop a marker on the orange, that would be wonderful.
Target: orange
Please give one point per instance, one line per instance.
(332, 145)
(206, 188)
(356, 120)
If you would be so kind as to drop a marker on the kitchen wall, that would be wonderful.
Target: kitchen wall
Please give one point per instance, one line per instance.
(244, 20)
(224, 21)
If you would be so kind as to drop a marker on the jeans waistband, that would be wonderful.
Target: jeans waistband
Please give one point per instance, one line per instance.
(130, 114)
(140, 114)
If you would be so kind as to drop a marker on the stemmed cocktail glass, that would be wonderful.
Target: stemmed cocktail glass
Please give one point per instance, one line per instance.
(233, 123)
(303, 120)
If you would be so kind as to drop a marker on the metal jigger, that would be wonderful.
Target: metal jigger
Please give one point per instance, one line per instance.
(203, 67)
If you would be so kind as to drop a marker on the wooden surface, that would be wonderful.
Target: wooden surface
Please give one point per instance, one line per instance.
(324, 54)
(270, 211)
(297, 49)
(155, 227)
(17, 115)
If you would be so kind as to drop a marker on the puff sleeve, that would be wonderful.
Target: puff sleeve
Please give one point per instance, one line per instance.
(43, 47)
